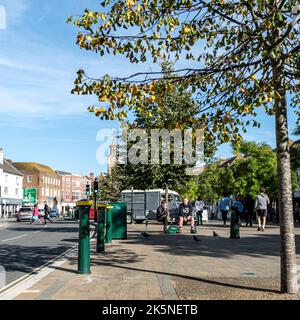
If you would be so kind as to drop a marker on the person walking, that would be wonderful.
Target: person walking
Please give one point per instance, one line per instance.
(224, 207)
(35, 215)
(261, 205)
(46, 215)
(163, 214)
(199, 206)
(186, 214)
(249, 210)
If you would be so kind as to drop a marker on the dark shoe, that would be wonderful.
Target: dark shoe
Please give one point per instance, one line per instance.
(193, 230)
(258, 229)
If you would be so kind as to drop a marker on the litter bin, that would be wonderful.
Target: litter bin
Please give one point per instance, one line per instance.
(119, 220)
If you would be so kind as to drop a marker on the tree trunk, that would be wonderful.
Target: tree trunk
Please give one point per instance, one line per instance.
(289, 282)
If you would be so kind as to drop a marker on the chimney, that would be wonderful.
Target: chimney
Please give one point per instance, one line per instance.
(1, 156)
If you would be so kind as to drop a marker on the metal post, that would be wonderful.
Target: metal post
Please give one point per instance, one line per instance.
(84, 237)
(167, 194)
(132, 205)
(100, 247)
(108, 235)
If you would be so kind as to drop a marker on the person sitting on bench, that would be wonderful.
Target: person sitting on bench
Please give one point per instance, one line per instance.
(186, 214)
(163, 214)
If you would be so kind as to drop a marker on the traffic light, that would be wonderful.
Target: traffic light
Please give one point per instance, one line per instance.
(87, 189)
(96, 186)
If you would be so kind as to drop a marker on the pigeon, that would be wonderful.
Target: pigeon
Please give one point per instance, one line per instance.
(145, 234)
(215, 234)
(196, 238)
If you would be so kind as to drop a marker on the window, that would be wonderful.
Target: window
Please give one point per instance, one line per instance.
(29, 179)
(75, 196)
(17, 181)
(43, 191)
(6, 190)
(68, 195)
(6, 178)
(17, 191)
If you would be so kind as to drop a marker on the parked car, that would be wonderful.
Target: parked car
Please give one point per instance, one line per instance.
(54, 214)
(24, 214)
(41, 213)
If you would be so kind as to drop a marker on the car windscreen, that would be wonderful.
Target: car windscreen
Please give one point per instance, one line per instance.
(25, 210)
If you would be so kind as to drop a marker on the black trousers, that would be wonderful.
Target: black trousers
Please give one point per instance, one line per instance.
(249, 218)
(47, 218)
(164, 220)
(224, 215)
(199, 218)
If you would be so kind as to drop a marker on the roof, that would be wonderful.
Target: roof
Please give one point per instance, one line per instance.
(10, 168)
(33, 166)
(63, 173)
(149, 190)
(227, 162)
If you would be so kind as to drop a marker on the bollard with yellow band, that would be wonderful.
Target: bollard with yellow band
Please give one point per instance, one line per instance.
(84, 236)
(100, 247)
(108, 235)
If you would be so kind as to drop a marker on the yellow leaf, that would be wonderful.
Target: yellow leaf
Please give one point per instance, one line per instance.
(187, 29)
(152, 98)
(253, 77)
(130, 3)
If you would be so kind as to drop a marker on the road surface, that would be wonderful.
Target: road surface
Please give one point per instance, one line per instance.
(25, 247)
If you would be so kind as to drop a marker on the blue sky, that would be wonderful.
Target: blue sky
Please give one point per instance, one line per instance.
(40, 120)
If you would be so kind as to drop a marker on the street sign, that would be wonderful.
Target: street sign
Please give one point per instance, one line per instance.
(29, 196)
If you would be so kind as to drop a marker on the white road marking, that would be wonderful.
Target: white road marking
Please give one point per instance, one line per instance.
(39, 230)
(23, 235)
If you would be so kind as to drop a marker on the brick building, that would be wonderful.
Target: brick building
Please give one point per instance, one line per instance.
(72, 188)
(42, 178)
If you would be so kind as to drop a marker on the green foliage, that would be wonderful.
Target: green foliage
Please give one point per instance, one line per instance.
(177, 111)
(234, 46)
(253, 169)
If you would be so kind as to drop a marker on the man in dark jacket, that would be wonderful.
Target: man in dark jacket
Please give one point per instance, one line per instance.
(163, 214)
(46, 216)
(186, 214)
(249, 210)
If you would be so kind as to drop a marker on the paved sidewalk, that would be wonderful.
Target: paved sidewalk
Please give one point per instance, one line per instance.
(173, 267)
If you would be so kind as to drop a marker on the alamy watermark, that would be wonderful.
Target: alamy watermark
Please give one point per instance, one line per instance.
(154, 147)
(2, 18)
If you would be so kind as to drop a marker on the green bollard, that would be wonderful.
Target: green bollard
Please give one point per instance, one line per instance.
(100, 247)
(108, 236)
(84, 237)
